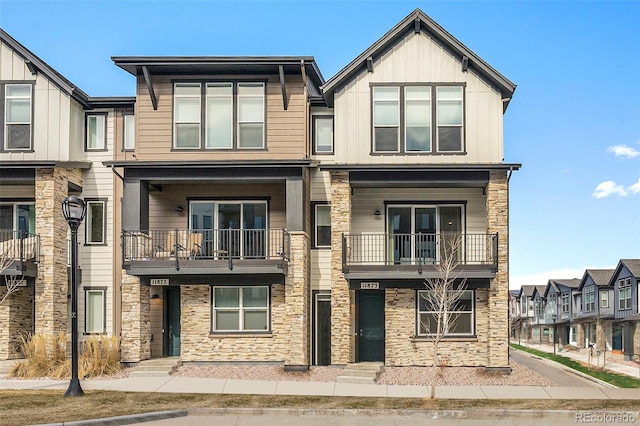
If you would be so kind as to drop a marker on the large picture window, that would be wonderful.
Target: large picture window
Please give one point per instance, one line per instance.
(237, 309)
(95, 223)
(226, 115)
(403, 116)
(17, 117)
(458, 320)
(94, 317)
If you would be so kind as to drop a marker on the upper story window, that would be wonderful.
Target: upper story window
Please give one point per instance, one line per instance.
(17, 117)
(322, 134)
(225, 115)
(96, 223)
(129, 136)
(322, 226)
(589, 298)
(604, 299)
(96, 132)
(564, 298)
(624, 294)
(404, 117)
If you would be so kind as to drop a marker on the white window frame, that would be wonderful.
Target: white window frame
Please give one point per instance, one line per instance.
(316, 136)
(624, 294)
(590, 298)
(101, 328)
(8, 123)
(564, 300)
(208, 98)
(89, 223)
(398, 117)
(315, 226)
(438, 125)
(471, 313)
(176, 97)
(604, 299)
(240, 309)
(100, 143)
(129, 132)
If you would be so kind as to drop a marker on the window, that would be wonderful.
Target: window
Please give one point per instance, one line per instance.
(18, 217)
(322, 231)
(564, 300)
(460, 318)
(406, 113)
(226, 115)
(323, 134)
(96, 132)
(624, 294)
(17, 118)
(240, 309)
(95, 225)
(94, 316)
(129, 132)
(589, 298)
(604, 299)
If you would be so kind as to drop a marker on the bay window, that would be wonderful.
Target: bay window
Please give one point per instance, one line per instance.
(237, 309)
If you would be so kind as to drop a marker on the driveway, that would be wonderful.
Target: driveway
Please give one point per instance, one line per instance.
(551, 370)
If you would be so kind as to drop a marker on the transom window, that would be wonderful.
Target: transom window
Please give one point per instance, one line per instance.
(624, 294)
(225, 115)
(589, 298)
(96, 132)
(457, 321)
(17, 117)
(240, 309)
(403, 118)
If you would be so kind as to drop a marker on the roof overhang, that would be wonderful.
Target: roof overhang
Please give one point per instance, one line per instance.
(113, 102)
(45, 164)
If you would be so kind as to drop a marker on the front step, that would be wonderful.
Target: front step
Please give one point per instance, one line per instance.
(362, 373)
(159, 367)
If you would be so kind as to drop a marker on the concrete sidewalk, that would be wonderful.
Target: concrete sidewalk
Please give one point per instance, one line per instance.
(171, 384)
(628, 368)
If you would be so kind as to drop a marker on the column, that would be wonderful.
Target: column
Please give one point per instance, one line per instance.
(136, 320)
(297, 297)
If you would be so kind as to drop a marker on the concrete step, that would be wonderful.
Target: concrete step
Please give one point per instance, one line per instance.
(369, 366)
(356, 380)
(136, 373)
(170, 368)
(157, 367)
(361, 372)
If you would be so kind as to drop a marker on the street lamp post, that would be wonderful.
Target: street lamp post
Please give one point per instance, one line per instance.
(74, 209)
(555, 332)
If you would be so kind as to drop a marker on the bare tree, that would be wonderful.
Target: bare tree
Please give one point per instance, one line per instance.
(12, 281)
(442, 302)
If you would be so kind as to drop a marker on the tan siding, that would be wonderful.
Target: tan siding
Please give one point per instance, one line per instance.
(321, 269)
(320, 185)
(156, 307)
(8, 192)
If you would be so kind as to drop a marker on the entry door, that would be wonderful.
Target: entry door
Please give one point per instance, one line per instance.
(322, 329)
(172, 321)
(370, 326)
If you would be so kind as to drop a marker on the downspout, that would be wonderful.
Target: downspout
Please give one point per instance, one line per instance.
(115, 172)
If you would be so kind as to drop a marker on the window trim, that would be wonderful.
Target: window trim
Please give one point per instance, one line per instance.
(473, 311)
(124, 131)
(624, 286)
(314, 206)
(240, 309)
(87, 227)
(590, 305)
(314, 135)
(564, 302)
(103, 291)
(3, 124)
(402, 118)
(235, 113)
(604, 301)
(86, 131)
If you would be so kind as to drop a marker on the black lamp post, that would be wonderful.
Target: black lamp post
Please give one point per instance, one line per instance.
(555, 332)
(74, 209)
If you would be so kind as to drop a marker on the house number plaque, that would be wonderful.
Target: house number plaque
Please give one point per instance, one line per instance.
(159, 281)
(370, 285)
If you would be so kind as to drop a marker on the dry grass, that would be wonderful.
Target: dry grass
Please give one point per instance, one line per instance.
(46, 356)
(32, 407)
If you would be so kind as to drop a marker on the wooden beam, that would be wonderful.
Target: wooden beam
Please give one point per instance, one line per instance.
(32, 67)
(284, 87)
(416, 24)
(152, 93)
(370, 64)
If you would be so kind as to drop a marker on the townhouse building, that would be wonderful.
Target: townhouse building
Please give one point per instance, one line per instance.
(256, 212)
(625, 282)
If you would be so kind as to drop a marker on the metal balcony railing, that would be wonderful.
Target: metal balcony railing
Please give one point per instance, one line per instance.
(418, 249)
(19, 246)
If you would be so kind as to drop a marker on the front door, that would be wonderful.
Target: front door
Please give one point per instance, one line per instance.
(322, 329)
(370, 326)
(172, 319)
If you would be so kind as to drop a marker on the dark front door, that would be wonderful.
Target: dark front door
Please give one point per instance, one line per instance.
(172, 321)
(370, 326)
(322, 328)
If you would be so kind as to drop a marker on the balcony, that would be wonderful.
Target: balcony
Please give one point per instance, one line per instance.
(20, 253)
(190, 252)
(416, 256)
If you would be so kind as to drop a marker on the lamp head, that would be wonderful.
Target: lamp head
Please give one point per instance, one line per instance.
(74, 209)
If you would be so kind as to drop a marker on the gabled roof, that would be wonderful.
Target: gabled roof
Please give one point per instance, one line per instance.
(527, 290)
(633, 265)
(557, 285)
(600, 277)
(419, 21)
(541, 290)
(37, 65)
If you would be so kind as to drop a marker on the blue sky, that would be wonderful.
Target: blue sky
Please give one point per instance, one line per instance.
(574, 122)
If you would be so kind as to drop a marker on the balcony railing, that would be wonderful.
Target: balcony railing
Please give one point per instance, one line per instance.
(418, 249)
(19, 246)
(205, 244)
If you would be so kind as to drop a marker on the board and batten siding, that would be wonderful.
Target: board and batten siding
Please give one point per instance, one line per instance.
(418, 59)
(57, 120)
(286, 130)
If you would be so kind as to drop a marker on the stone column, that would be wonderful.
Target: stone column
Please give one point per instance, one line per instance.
(297, 297)
(52, 284)
(342, 317)
(136, 320)
(498, 222)
(16, 317)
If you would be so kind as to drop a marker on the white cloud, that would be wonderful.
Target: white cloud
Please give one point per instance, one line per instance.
(609, 188)
(542, 278)
(635, 188)
(623, 151)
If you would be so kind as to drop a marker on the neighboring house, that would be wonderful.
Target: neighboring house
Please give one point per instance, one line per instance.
(53, 140)
(515, 316)
(594, 321)
(626, 303)
(527, 312)
(539, 328)
(559, 291)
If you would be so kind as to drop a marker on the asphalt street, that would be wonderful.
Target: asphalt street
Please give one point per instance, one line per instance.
(552, 371)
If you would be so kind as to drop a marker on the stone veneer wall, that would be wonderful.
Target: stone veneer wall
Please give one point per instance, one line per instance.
(136, 320)
(52, 283)
(342, 315)
(402, 348)
(198, 344)
(498, 222)
(636, 338)
(297, 296)
(580, 335)
(16, 317)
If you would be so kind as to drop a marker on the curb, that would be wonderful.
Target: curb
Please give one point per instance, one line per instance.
(126, 420)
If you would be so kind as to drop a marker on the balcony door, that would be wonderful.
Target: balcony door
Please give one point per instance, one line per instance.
(416, 231)
(231, 228)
